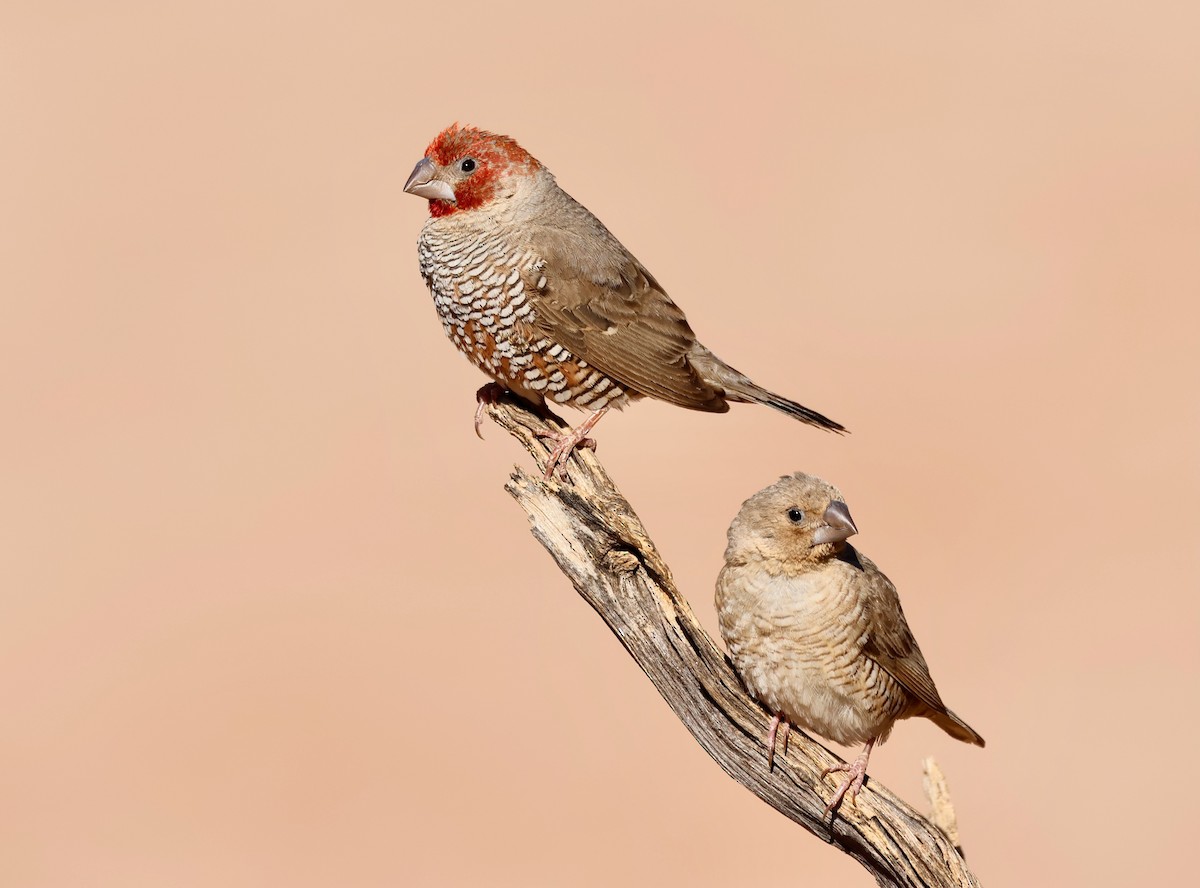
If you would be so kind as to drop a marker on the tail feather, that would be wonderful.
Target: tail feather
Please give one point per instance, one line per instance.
(752, 393)
(956, 727)
(739, 387)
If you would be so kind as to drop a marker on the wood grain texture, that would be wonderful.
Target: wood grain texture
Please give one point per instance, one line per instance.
(596, 539)
(941, 809)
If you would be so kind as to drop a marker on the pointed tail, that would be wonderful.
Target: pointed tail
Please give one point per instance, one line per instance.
(739, 387)
(956, 727)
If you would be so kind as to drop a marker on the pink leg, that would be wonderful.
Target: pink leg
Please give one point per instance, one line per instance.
(488, 394)
(565, 443)
(775, 724)
(856, 772)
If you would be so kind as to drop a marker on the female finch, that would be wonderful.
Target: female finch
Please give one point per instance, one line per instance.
(816, 630)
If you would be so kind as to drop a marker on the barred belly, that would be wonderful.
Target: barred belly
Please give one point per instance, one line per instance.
(798, 645)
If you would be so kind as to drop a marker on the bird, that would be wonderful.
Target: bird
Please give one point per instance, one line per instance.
(538, 294)
(815, 630)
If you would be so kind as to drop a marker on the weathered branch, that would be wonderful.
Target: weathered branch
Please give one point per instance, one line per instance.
(941, 812)
(598, 542)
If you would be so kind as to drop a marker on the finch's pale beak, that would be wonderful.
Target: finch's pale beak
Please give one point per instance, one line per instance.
(422, 184)
(838, 527)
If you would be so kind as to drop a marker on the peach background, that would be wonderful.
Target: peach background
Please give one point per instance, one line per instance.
(268, 616)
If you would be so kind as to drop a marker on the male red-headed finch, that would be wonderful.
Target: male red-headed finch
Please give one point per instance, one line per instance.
(816, 631)
(537, 293)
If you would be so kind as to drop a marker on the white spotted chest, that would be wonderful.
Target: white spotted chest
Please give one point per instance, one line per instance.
(478, 284)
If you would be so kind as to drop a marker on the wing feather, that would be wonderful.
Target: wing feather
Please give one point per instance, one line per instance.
(595, 299)
(890, 642)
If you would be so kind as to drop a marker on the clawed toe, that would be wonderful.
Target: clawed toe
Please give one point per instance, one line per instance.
(776, 723)
(856, 773)
(850, 786)
(561, 450)
(488, 394)
(565, 442)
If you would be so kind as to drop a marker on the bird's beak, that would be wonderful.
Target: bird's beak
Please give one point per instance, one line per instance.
(838, 527)
(422, 184)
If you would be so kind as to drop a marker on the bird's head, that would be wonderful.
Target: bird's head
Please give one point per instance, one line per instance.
(798, 522)
(465, 168)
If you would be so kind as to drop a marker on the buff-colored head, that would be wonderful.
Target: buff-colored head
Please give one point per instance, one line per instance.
(466, 168)
(797, 523)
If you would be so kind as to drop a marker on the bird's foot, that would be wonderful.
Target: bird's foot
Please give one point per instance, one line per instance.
(856, 773)
(566, 442)
(776, 722)
(488, 394)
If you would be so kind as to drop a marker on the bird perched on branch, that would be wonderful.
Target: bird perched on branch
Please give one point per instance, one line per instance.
(816, 631)
(538, 294)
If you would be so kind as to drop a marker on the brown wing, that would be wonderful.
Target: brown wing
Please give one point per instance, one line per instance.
(595, 299)
(890, 642)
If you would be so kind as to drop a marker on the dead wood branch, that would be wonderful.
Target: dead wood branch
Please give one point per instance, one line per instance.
(598, 542)
(941, 812)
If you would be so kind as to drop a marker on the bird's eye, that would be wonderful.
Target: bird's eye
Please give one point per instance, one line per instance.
(468, 165)
(795, 515)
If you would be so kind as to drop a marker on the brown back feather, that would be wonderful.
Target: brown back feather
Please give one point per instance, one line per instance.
(599, 302)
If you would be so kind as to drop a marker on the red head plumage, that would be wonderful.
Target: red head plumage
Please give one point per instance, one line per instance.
(495, 156)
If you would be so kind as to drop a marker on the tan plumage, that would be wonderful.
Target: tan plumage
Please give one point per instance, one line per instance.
(539, 294)
(815, 629)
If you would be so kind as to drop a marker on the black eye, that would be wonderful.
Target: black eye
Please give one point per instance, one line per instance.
(468, 165)
(795, 515)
